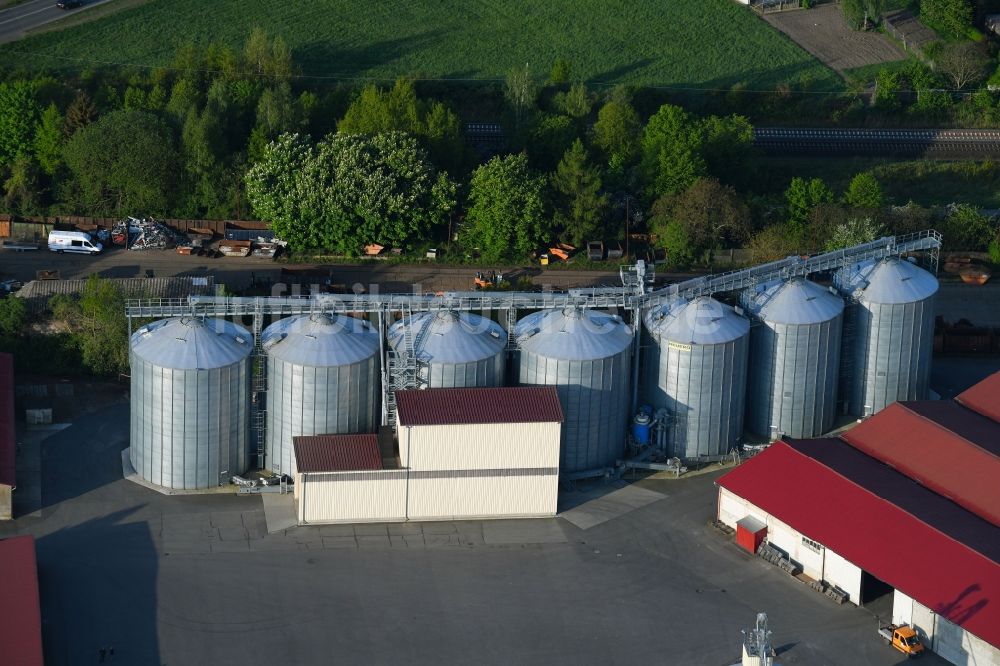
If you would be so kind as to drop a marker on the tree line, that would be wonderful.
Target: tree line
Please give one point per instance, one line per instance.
(229, 134)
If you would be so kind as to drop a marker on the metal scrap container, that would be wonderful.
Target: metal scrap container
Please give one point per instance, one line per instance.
(794, 358)
(322, 378)
(190, 401)
(453, 349)
(696, 371)
(889, 334)
(586, 355)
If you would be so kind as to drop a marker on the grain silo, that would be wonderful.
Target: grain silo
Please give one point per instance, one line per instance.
(794, 358)
(453, 349)
(696, 371)
(190, 401)
(586, 355)
(888, 334)
(322, 378)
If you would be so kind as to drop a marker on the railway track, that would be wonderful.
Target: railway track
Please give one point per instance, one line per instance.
(929, 143)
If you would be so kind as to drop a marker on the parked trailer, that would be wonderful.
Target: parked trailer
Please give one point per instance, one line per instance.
(19, 246)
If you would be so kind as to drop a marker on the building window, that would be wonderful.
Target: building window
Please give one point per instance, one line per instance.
(811, 545)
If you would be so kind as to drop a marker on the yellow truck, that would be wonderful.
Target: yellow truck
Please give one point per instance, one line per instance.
(902, 637)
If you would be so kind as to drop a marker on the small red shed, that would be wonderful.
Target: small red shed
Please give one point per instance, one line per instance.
(750, 533)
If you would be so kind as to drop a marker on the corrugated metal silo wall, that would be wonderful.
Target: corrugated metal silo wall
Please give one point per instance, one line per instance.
(892, 354)
(594, 395)
(189, 428)
(792, 385)
(309, 400)
(703, 388)
(485, 372)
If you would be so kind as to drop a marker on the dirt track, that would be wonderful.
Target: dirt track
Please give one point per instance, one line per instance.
(823, 32)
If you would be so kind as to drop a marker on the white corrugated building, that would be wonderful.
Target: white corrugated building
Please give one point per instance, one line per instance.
(462, 453)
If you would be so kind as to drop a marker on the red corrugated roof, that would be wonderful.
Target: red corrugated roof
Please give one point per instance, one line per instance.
(454, 406)
(952, 579)
(20, 613)
(949, 449)
(336, 453)
(984, 397)
(7, 442)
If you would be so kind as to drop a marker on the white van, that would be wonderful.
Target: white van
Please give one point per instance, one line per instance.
(73, 241)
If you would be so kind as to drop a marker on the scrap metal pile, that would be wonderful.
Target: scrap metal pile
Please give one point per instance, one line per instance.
(145, 234)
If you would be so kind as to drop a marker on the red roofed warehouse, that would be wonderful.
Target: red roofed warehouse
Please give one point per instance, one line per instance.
(462, 453)
(906, 501)
(20, 613)
(7, 436)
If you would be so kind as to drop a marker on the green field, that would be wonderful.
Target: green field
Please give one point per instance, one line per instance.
(697, 43)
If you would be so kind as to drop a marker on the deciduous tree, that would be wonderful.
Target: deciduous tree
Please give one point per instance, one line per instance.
(506, 217)
(125, 163)
(49, 140)
(864, 191)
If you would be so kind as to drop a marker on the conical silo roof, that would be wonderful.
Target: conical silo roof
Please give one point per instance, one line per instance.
(702, 321)
(886, 281)
(192, 343)
(321, 340)
(796, 301)
(447, 337)
(573, 334)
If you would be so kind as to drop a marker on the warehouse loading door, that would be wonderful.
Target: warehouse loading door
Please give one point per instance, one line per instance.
(875, 592)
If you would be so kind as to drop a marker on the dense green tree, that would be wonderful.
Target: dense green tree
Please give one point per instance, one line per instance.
(506, 215)
(772, 243)
(671, 152)
(864, 191)
(727, 144)
(49, 140)
(711, 215)
(399, 109)
(580, 206)
(18, 114)
(21, 188)
(13, 318)
(350, 190)
(125, 163)
(888, 85)
(267, 58)
(854, 232)
(617, 132)
(550, 136)
(802, 197)
(575, 102)
(97, 321)
(560, 74)
(672, 236)
(134, 99)
(272, 184)
(966, 228)
(951, 18)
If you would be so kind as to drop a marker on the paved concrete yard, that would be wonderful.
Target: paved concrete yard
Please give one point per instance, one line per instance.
(198, 580)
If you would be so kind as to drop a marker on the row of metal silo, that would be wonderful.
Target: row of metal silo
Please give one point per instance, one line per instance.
(804, 345)
(191, 383)
(709, 373)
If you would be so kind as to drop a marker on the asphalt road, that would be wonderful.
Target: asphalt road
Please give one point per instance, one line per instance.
(237, 273)
(16, 21)
(195, 580)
